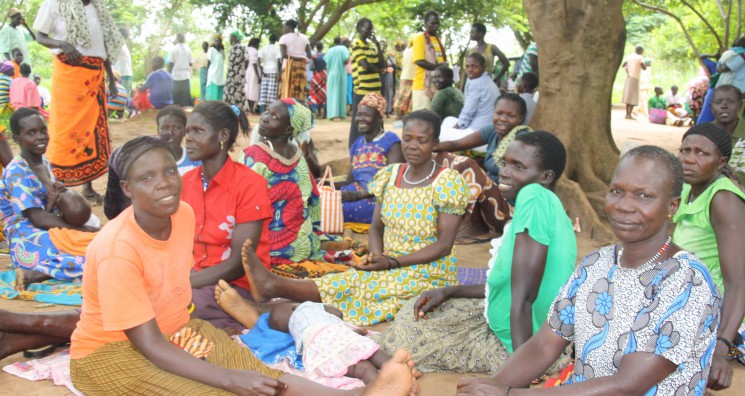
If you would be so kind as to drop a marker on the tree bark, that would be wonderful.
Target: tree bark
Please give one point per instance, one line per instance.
(580, 47)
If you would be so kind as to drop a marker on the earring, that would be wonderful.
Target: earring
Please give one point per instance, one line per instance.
(222, 146)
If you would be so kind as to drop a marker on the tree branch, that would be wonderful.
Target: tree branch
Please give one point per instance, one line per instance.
(677, 19)
(705, 21)
(325, 26)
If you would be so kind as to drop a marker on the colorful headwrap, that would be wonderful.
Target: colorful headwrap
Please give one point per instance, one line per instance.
(374, 100)
(238, 34)
(6, 66)
(301, 118)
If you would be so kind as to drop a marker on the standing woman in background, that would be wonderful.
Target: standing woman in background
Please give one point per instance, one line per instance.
(215, 70)
(237, 62)
(85, 40)
(295, 49)
(253, 74)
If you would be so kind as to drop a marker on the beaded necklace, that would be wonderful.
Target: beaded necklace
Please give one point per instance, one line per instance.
(652, 260)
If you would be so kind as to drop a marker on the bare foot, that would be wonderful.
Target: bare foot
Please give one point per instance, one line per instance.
(396, 378)
(258, 276)
(232, 302)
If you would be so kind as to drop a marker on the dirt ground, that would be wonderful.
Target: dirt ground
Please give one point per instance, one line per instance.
(330, 139)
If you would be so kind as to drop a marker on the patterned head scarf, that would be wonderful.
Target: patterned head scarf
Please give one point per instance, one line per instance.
(76, 20)
(374, 100)
(301, 118)
(237, 34)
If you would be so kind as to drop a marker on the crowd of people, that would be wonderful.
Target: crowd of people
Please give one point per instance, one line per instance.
(198, 243)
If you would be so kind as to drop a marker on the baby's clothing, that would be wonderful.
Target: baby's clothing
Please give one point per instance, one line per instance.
(328, 345)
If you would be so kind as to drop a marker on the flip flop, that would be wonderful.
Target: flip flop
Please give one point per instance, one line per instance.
(39, 353)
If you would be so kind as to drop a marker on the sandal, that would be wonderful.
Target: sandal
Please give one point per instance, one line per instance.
(94, 198)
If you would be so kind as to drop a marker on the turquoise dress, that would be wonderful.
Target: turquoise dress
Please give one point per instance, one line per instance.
(336, 81)
(30, 247)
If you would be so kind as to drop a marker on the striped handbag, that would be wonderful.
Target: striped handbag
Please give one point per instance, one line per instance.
(332, 214)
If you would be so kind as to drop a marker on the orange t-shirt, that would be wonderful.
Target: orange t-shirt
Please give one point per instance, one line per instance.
(131, 278)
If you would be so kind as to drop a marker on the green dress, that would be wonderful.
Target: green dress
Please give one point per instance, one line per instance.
(539, 212)
(693, 230)
(410, 217)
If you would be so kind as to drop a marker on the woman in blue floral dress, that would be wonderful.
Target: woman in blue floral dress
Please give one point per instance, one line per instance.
(26, 185)
(371, 152)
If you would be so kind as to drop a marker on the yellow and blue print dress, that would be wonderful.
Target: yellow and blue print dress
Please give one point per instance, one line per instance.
(410, 217)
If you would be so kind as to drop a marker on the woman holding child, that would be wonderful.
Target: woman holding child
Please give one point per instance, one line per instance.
(710, 223)
(643, 313)
(475, 328)
(29, 193)
(417, 211)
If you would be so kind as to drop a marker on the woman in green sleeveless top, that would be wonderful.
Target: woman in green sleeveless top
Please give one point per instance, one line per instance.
(710, 223)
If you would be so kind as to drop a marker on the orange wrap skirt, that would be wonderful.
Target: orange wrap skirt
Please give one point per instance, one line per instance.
(78, 126)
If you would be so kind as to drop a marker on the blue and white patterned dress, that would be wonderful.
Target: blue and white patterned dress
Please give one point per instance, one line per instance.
(669, 309)
(30, 247)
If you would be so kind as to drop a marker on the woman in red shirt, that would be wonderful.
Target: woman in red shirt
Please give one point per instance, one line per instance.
(230, 202)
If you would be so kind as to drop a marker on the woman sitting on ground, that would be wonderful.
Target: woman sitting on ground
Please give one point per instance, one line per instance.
(642, 314)
(371, 152)
(28, 190)
(137, 290)
(507, 120)
(726, 104)
(487, 211)
(710, 223)
(294, 232)
(482, 325)
(418, 207)
(230, 202)
(448, 100)
(171, 122)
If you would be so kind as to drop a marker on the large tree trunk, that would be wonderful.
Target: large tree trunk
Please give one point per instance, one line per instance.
(580, 46)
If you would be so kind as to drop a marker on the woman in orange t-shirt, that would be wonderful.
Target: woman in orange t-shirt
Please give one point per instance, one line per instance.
(137, 290)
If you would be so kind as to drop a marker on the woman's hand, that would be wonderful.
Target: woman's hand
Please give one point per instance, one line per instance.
(72, 54)
(251, 383)
(373, 262)
(429, 300)
(720, 376)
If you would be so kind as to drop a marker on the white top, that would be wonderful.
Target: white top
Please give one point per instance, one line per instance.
(123, 64)
(408, 69)
(671, 99)
(269, 56)
(46, 97)
(216, 71)
(49, 21)
(182, 59)
(306, 315)
(634, 65)
(295, 43)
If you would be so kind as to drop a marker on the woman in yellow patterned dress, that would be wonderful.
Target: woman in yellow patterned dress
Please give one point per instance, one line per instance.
(417, 214)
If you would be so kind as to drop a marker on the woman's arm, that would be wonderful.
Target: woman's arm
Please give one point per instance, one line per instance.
(68, 49)
(470, 141)
(231, 268)
(503, 60)
(395, 155)
(727, 213)
(44, 220)
(637, 373)
(528, 266)
(375, 241)
(426, 64)
(113, 90)
(148, 339)
(447, 228)
(283, 51)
